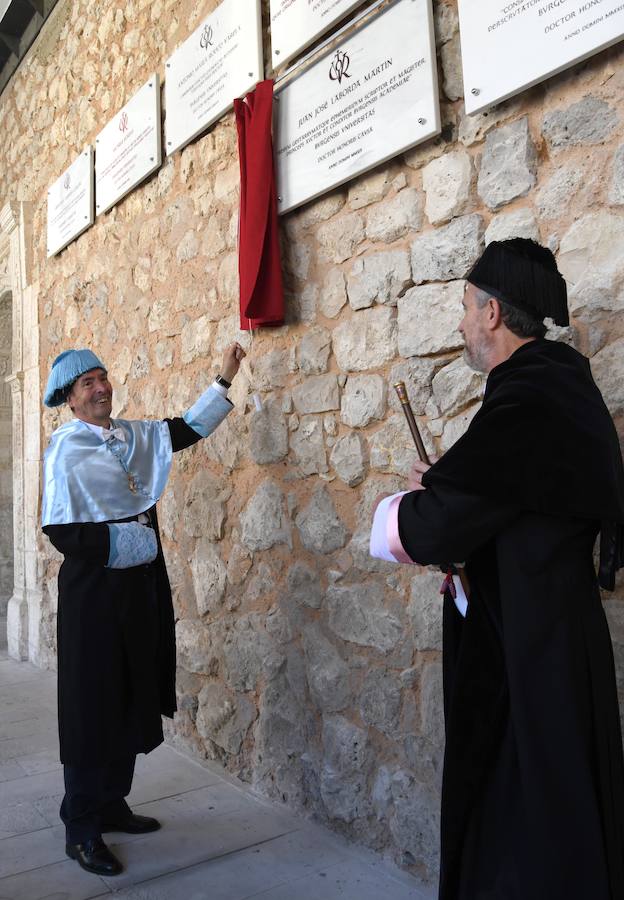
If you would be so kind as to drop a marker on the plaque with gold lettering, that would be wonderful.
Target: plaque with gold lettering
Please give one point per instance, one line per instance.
(295, 24)
(220, 61)
(510, 45)
(368, 99)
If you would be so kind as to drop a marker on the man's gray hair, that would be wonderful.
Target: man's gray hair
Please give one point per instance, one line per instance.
(517, 321)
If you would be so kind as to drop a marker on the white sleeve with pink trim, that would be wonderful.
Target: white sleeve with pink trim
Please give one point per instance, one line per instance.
(385, 542)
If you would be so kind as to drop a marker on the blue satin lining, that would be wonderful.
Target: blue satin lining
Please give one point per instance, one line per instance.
(208, 412)
(87, 480)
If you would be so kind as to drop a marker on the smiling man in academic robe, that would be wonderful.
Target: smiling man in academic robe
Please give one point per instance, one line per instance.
(116, 641)
(533, 784)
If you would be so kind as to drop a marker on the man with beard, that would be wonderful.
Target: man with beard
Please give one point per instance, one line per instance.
(533, 784)
(116, 640)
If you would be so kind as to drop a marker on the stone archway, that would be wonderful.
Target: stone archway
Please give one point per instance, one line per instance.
(23, 610)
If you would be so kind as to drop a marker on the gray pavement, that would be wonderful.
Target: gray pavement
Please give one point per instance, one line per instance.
(219, 841)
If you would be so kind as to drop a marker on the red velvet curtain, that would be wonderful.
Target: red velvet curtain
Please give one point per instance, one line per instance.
(261, 289)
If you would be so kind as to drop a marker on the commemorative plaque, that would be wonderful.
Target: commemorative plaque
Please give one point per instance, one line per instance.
(220, 61)
(368, 99)
(127, 149)
(510, 45)
(70, 203)
(296, 23)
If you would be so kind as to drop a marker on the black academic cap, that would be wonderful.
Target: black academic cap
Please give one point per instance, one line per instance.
(523, 274)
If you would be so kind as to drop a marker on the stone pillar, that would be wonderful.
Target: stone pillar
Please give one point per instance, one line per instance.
(23, 607)
(6, 454)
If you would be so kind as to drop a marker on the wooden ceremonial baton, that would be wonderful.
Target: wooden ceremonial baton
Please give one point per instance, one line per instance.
(413, 427)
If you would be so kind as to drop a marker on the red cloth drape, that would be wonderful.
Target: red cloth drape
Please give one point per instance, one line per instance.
(261, 289)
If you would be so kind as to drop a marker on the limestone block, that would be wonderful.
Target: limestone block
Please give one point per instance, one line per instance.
(366, 341)
(264, 522)
(447, 181)
(208, 577)
(509, 164)
(553, 199)
(380, 701)
(428, 319)
(417, 375)
(357, 614)
(425, 610)
(308, 445)
(450, 55)
(239, 563)
(224, 717)
(318, 393)
(121, 365)
(229, 444)
(363, 400)
(272, 370)
(228, 331)
(296, 256)
(301, 306)
(318, 210)
(392, 447)
(303, 585)
(268, 434)
(381, 794)
(608, 370)
(340, 237)
(196, 338)
(163, 352)
(359, 550)
(327, 672)
(456, 427)
(188, 248)
(369, 188)
(333, 294)
(313, 351)
(448, 252)
(519, 223)
(379, 278)
(593, 244)
(588, 121)
(415, 819)
(198, 646)
(455, 386)
(446, 22)
(347, 759)
(390, 220)
(348, 457)
(616, 189)
(320, 527)
(248, 652)
(204, 506)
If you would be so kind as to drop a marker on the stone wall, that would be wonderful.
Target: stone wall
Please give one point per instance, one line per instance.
(307, 668)
(6, 458)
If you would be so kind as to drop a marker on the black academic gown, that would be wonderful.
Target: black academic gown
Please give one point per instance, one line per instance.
(533, 785)
(116, 642)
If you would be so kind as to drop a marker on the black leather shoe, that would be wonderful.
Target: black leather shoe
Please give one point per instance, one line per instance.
(132, 824)
(94, 856)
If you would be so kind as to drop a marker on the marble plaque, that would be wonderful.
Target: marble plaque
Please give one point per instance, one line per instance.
(509, 45)
(220, 61)
(70, 203)
(368, 99)
(297, 23)
(127, 150)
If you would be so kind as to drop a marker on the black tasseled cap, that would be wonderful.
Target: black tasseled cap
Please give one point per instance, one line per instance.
(523, 274)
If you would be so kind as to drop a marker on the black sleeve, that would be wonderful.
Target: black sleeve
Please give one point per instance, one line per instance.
(89, 541)
(439, 525)
(182, 435)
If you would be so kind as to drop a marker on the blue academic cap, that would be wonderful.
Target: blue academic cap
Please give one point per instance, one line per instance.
(66, 368)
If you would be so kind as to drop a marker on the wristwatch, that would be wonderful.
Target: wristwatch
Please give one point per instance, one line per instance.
(221, 380)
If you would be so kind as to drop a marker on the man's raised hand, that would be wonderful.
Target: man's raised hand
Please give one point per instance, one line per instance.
(232, 358)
